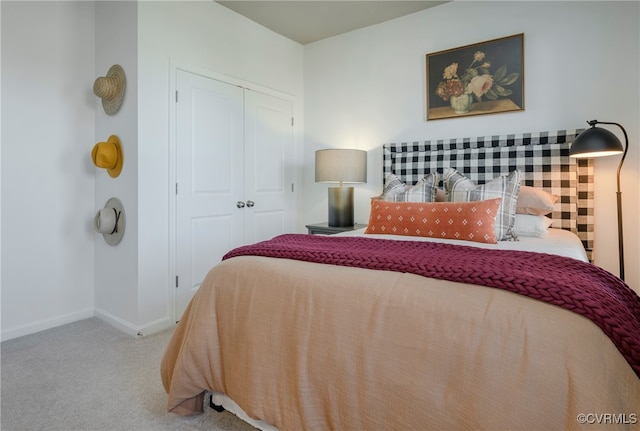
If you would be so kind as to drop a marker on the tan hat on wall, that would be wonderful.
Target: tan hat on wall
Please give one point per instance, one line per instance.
(110, 89)
(108, 155)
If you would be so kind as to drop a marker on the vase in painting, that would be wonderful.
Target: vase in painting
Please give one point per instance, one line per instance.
(461, 104)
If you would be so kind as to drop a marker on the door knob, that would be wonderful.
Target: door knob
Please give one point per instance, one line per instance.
(250, 203)
(240, 204)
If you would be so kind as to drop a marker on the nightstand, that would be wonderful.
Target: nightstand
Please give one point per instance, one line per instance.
(325, 229)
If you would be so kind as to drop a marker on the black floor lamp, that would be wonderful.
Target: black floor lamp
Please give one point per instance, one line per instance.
(599, 142)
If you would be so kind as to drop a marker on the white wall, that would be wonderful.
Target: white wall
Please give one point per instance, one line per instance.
(361, 89)
(367, 88)
(209, 39)
(47, 174)
(52, 52)
(0, 178)
(116, 267)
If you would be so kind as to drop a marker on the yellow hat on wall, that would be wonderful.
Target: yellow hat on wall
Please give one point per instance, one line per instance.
(108, 155)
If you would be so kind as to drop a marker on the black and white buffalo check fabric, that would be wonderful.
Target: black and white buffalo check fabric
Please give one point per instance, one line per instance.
(542, 159)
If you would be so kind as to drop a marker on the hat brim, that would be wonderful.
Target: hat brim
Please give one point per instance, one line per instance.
(115, 171)
(112, 106)
(116, 237)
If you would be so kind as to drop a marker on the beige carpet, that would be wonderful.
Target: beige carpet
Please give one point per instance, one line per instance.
(90, 376)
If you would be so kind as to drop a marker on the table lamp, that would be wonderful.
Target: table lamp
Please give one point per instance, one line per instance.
(341, 166)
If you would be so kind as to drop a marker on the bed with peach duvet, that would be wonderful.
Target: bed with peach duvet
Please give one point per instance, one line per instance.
(505, 326)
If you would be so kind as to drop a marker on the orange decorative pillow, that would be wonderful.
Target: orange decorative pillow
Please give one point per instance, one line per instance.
(468, 221)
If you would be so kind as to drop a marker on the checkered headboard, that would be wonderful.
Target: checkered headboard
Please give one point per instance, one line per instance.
(542, 158)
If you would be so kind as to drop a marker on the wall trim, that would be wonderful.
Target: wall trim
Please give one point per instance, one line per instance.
(155, 326)
(131, 329)
(43, 325)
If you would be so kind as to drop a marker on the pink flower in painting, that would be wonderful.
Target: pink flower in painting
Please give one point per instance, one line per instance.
(478, 56)
(480, 84)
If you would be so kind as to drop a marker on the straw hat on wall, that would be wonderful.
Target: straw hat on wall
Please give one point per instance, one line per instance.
(108, 155)
(110, 89)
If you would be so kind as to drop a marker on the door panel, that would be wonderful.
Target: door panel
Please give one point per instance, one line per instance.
(208, 234)
(268, 224)
(209, 172)
(268, 166)
(212, 126)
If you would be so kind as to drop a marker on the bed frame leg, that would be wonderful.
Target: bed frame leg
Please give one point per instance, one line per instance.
(215, 406)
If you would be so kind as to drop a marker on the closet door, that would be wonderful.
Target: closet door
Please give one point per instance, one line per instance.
(210, 178)
(268, 155)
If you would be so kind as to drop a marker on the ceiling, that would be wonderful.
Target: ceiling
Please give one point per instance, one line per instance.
(310, 21)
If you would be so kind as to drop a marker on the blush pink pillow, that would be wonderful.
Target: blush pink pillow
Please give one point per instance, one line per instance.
(468, 221)
(535, 201)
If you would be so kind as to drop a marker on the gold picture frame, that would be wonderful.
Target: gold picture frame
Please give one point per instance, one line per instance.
(477, 79)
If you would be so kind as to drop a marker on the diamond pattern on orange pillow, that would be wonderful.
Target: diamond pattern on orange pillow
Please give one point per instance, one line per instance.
(467, 221)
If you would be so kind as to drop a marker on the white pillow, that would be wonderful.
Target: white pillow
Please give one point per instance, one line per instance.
(459, 188)
(531, 225)
(423, 191)
(393, 186)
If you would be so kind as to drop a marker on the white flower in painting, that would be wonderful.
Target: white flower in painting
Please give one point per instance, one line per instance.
(479, 85)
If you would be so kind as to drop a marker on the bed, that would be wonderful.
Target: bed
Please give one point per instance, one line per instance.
(375, 330)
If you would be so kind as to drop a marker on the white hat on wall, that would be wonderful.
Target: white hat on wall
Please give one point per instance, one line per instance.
(110, 221)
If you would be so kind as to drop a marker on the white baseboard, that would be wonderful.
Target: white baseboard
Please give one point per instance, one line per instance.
(131, 329)
(43, 325)
(127, 327)
(156, 326)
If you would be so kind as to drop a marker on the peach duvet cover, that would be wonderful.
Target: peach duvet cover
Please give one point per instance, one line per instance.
(308, 346)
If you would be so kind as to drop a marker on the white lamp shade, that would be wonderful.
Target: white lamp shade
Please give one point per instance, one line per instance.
(341, 165)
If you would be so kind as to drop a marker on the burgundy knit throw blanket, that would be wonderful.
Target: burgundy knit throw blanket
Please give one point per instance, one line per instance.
(569, 283)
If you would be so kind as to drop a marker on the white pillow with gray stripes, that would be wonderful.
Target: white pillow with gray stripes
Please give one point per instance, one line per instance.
(461, 189)
(423, 191)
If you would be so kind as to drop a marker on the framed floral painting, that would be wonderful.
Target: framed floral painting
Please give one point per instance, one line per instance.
(482, 78)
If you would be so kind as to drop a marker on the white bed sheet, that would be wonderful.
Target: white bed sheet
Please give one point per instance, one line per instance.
(233, 407)
(557, 241)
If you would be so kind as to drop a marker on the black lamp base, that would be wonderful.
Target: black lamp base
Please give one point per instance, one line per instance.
(341, 206)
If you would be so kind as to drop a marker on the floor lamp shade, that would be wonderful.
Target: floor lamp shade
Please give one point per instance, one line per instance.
(598, 142)
(341, 166)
